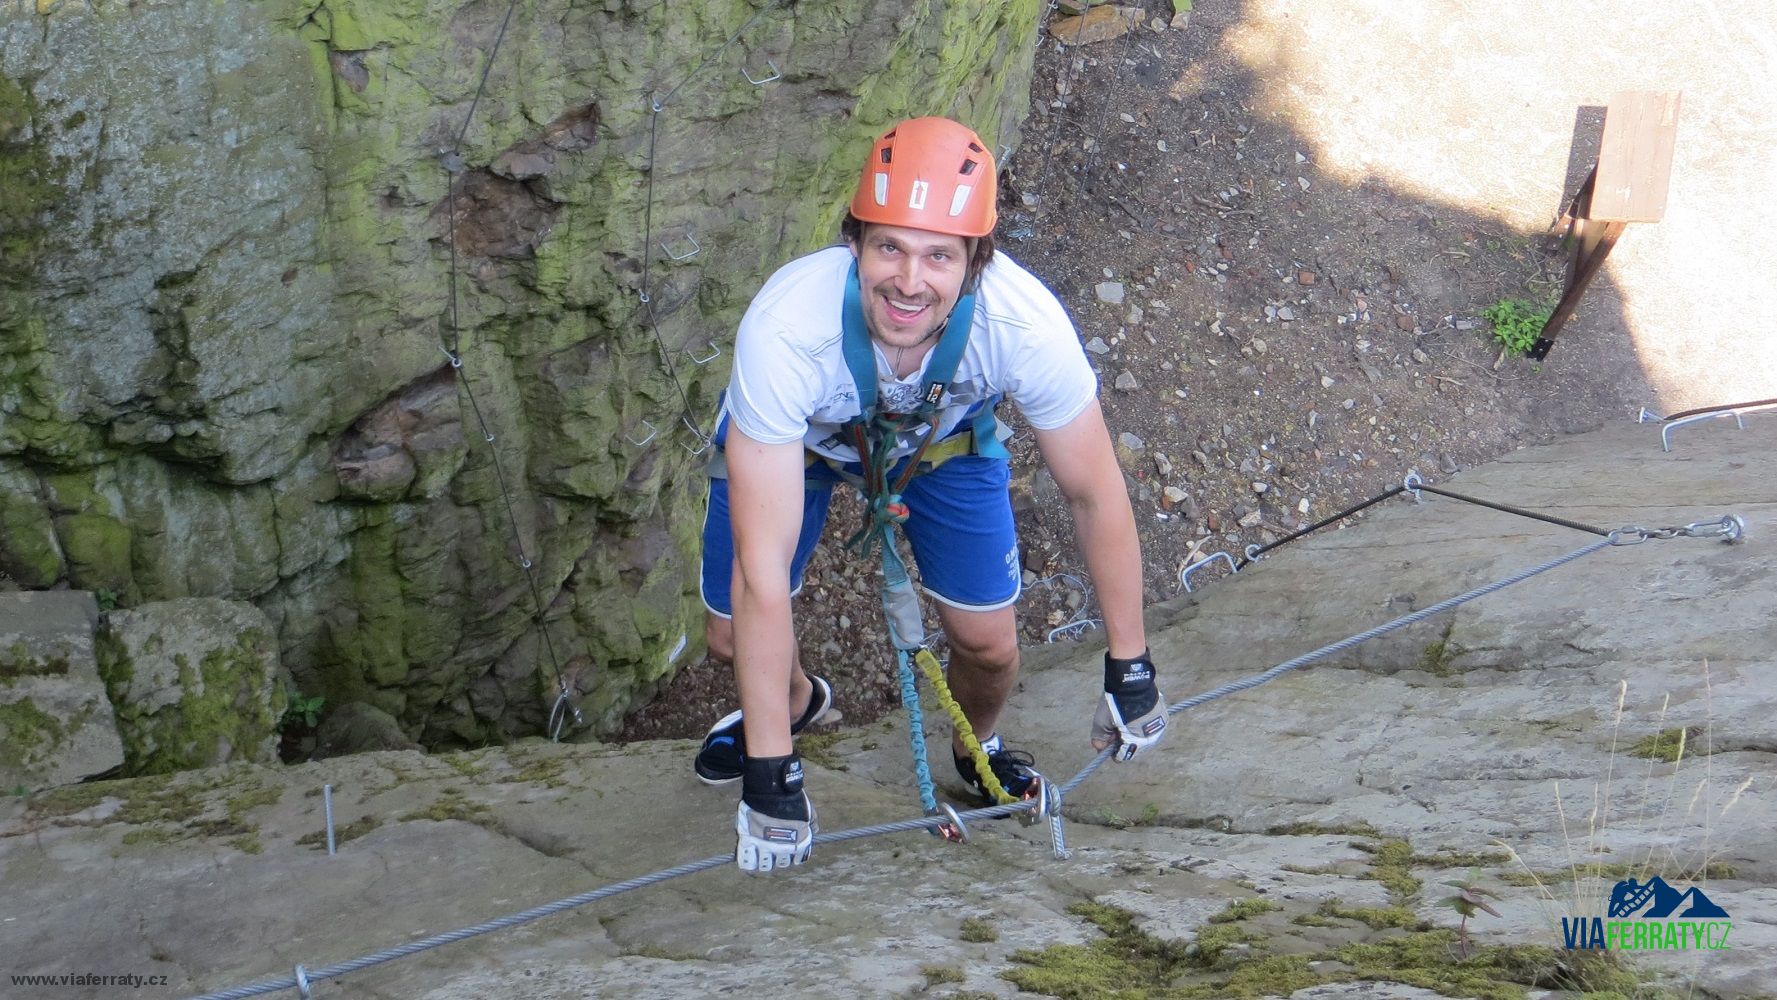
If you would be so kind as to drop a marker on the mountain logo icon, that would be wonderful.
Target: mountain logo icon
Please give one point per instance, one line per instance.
(1655, 899)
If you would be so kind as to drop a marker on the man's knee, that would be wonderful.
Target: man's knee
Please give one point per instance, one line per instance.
(719, 636)
(993, 651)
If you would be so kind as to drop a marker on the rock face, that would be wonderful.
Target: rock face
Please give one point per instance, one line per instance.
(55, 724)
(195, 682)
(226, 306)
(1329, 805)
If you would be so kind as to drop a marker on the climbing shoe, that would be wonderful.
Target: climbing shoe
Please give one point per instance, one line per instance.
(1012, 768)
(722, 758)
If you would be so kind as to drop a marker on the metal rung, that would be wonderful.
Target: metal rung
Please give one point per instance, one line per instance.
(651, 432)
(1184, 576)
(696, 248)
(775, 74)
(715, 352)
(1666, 431)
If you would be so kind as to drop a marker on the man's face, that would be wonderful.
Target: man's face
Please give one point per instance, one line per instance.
(910, 280)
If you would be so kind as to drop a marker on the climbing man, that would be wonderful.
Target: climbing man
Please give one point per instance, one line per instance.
(939, 328)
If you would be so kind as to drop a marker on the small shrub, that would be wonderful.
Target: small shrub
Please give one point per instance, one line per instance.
(1516, 323)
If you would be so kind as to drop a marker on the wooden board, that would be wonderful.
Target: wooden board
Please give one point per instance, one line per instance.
(1635, 157)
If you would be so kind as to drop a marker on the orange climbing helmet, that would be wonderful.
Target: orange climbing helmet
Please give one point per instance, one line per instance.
(929, 173)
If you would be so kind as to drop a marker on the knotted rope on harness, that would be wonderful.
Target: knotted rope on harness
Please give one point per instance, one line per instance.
(875, 435)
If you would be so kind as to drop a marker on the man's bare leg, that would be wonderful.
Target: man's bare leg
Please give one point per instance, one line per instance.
(983, 665)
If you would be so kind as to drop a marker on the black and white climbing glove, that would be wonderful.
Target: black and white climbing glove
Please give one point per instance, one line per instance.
(1132, 716)
(776, 822)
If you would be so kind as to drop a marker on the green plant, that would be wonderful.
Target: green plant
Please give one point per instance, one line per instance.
(1469, 899)
(106, 598)
(300, 712)
(1516, 323)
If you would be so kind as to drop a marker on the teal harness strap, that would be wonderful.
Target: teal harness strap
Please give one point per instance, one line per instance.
(875, 434)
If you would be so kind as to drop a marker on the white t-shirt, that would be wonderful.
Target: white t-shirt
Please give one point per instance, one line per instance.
(790, 380)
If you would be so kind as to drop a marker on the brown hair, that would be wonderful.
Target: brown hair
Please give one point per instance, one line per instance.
(851, 230)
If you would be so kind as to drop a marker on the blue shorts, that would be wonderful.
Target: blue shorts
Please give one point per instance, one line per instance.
(959, 525)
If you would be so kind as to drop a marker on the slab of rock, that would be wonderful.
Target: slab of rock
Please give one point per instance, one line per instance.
(195, 682)
(56, 725)
(1100, 24)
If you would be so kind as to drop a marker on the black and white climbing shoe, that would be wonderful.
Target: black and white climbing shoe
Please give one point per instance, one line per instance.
(1013, 768)
(722, 758)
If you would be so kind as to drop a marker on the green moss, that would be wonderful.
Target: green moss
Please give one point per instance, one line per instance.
(817, 748)
(341, 834)
(219, 706)
(1241, 909)
(1378, 917)
(940, 974)
(1438, 655)
(1429, 959)
(1392, 865)
(979, 930)
(248, 843)
(1617, 871)
(1462, 859)
(26, 733)
(151, 835)
(542, 771)
(450, 805)
(1272, 976)
(1323, 830)
(1669, 745)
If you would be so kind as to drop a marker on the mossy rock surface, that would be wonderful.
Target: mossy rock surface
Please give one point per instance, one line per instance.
(195, 682)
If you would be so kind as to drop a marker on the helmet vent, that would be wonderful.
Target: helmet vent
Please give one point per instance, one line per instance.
(968, 167)
(976, 148)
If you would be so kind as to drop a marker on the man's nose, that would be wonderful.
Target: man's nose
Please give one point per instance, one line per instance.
(907, 276)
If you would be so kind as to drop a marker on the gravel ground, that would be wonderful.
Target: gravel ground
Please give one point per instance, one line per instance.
(1279, 333)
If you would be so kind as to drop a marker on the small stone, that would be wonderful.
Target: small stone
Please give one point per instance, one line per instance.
(1302, 506)
(1403, 322)
(1126, 382)
(1162, 465)
(1259, 487)
(1348, 404)
(1111, 292)
(1161, 146)
(1251, 520)
(1212, 521)
(1130, 441)
(1259, 346)
(1135, 316)
(1302, 182)
(1286, 314)
(1305, 277)
(1326, 381)
(845, 621)
(1128, 119)
(1467, 324)
(1097, 346)
(1301, 158)
(1420, 356)
(1175, 495)
(1200, 458)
